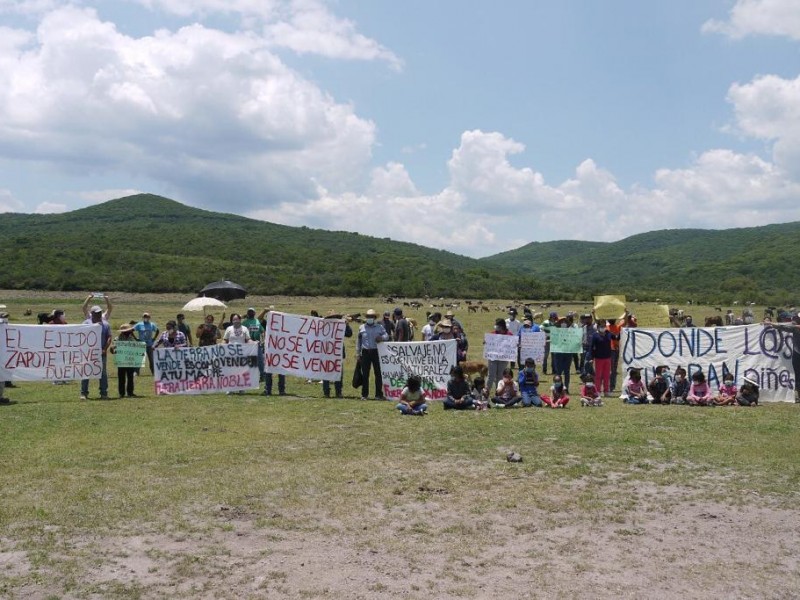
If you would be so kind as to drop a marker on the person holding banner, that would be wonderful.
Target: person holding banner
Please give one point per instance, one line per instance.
(105, 343)
(497, 367)
(208, 333)
(370, 334)
(172, 337)
(87, 313)
(337, 385)
(600, 353)
(125, 375)
(794, 329)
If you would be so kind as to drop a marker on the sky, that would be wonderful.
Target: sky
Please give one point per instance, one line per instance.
(465, 125)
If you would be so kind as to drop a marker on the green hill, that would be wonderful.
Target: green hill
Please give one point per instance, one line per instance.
(747, 264)
(147, 243)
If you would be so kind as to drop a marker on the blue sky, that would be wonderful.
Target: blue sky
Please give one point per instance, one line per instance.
(471, 126)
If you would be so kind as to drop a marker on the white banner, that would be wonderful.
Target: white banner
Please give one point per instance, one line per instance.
(432, 361)
(304, 346)
(50, 352)
(500, 347)
(206, 369)
(531, 345)
(752, 351)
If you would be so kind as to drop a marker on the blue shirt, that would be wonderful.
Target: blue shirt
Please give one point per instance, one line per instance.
(369, 335)
(146, 331)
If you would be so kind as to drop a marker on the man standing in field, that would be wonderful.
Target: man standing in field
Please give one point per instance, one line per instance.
(370, 334)
(105, 343)
(402, 330)
(546, 326)
(184, 328)
(147, 332)
(256, 331)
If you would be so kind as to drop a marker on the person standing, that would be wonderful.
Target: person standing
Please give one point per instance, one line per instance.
(105, 343)
(184, 328)
(546, 326)
(388, 325)
(497, 367)
(125, 375)
(208, 333)
(256, 331)
(337, 385)
(87, 312)
(147, 332)
(794, 329)
(3, 399)
(370, 334)
(400, 327)
(262, 318)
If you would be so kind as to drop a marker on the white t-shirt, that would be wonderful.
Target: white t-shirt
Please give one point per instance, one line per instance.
(236, 336)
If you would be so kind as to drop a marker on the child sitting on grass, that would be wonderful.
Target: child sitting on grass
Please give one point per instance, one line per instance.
(634, 391)
(413, 397)
(507, 391)
(748, 393)
(480, 396)
(590, 395)
(458, 395)
(700, 392)
(529, 384)
(558, 397)
(727, 391)
(679, 388)
(659, 387)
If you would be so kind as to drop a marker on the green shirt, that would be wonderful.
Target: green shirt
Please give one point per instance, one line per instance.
(254, 328)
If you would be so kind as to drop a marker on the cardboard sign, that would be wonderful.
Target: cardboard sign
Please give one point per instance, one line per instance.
(753, 351)
(206, 369)
(304, 346)
(129, 353)
(500, 347)
(432, 361)
(609, 307)
(50, 352)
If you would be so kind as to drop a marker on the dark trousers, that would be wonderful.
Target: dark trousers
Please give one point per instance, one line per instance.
(150, 359)
(561, 365)
(614, 366)
(371, 360)
(125, 380)
(268, 383)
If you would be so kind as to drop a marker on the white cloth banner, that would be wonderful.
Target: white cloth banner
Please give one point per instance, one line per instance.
(500, 347)
(432, 361)
(304, 346)
(50, 352)
(752, 351)
(206, 369)
(531, 345)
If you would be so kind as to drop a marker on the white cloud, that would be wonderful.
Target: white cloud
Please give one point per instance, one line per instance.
(759, 17)
(50, 207)
(98, 196)
(207, 113)
(8, 203)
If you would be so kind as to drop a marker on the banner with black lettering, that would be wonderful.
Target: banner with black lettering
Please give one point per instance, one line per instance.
(432, 361)
(753, 351)
(206, 369)
(304, 346)
(50, 352)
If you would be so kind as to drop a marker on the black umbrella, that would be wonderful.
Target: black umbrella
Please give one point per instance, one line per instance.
(223, 290)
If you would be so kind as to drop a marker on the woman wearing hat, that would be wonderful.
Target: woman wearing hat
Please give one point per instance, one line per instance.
(125, 374)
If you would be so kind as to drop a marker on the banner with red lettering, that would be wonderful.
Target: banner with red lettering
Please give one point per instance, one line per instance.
(206, 369)
(432, 361)
(760, 353)
(309, 347)
(50, 352)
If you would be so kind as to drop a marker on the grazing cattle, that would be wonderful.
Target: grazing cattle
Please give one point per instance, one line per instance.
(472, 308)
(484, 308)
(474, 367)
(718, 308)
(714, 321)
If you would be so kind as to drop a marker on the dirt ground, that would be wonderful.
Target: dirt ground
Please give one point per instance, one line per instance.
(670, 546)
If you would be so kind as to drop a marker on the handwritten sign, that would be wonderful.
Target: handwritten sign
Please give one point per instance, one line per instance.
(206, 369)
(50, 352)
(500, 347)
(566, 340)
(752, 351)
(531, 345)
(432, 361)
(129, 354)
(304, 346)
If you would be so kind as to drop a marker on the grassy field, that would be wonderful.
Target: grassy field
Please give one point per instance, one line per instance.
(220, 496)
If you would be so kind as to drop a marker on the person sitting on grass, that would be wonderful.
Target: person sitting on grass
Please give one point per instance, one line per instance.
(748, 393)
(458, 396)
(590, 395)
(634, 390)
(507, 393)
(529, 384)
(480, 396)
(679, 388)
(659, 387)
(727, 391)
(558, 397)
(699, 392)
(413, 397)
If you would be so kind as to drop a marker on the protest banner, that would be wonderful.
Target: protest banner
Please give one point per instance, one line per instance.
(500, 347)
(566, 340)
(531, 345)
(129, 353)
(50, 352)
(206, 369)
(304, 346)
(753, 351)
(609, 307)
(432, 361)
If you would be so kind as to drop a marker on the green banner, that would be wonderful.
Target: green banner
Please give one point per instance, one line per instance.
(129, 354)
(567, 340)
